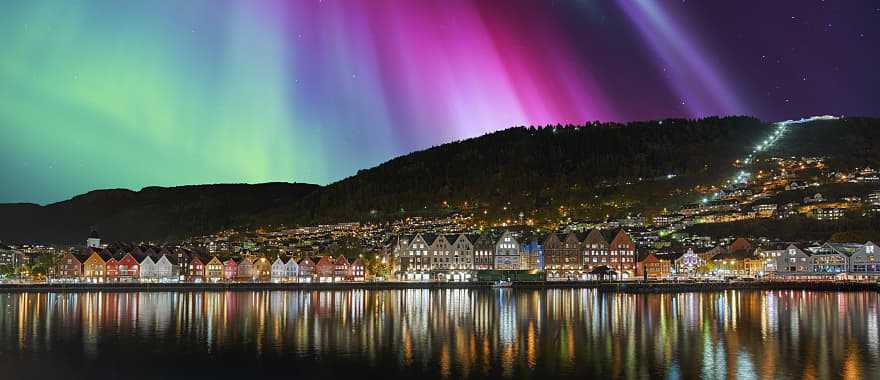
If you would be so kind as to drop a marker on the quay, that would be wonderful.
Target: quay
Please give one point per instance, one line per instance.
(622, 286)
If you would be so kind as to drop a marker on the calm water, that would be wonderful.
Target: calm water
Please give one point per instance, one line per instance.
(439, 334)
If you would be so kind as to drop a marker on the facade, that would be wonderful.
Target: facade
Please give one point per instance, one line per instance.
(652, 267)
(93, 268)
(214, 270)
(744, 263)
(413, 262)
(70, 267)
(325, 269)
(507, 253)
(623, 254)
(461, 267)
(865, 262)
(245, 269)
(533, 253)
(689, 262)
(306, 270)
(230, 270)
(196, 268)
(562, 256)
(167, 269)
(128, 268)
(261, 270)
(358, 270)
(342, 269)
(484, 252)
(792, 261)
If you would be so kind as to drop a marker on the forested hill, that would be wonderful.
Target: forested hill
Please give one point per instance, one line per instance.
(154, 213)
(535, 170)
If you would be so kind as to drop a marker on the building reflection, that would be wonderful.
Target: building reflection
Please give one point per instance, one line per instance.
(459, 333)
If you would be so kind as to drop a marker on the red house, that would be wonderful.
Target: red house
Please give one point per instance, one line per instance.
(196, 269)
(306, 270)
(324, 269)
(342, 272)
(128, 268)
(70, 266)
(230, 270)
(111, 266)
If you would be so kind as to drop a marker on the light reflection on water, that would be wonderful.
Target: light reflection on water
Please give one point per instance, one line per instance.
(441, 334)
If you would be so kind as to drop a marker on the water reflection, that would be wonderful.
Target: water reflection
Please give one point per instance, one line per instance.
(441, 334)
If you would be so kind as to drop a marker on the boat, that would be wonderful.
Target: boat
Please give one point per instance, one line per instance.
(502, 284)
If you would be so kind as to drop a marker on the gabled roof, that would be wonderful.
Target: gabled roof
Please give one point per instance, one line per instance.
(429, 238)
(341, 260)
(325, 260)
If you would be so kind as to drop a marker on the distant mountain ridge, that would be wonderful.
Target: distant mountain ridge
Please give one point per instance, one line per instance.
(153, 213)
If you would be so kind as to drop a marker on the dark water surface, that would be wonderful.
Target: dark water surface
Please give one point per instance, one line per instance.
(425, 334)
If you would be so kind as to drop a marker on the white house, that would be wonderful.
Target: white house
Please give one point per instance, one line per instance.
(291, 269)
(865, 261)
(507, 256)
(166, 269)
(148, 269)
(279, 271)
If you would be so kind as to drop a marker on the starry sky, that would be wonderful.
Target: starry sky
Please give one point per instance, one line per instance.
(123, 93)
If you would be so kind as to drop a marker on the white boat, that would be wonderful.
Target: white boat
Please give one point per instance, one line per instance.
(502, 284)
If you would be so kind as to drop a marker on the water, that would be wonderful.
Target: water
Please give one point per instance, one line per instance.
(501, 333)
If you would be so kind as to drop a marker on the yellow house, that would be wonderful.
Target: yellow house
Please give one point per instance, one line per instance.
(94, 268)
(214, 270)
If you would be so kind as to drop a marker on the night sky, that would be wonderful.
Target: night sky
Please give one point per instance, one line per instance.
(106, 94)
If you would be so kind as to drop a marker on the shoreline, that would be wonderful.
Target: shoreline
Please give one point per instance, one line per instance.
(617, 287)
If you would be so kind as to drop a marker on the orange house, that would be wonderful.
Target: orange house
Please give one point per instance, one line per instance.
(94, 268)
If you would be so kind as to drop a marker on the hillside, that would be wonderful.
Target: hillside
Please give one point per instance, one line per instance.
(848, 142)
(154, 213)
(535, 170)
(579, 171)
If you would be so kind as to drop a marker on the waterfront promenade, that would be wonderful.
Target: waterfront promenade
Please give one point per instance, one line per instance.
(623, 287)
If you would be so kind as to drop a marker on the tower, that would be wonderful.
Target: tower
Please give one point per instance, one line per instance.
(93, 241)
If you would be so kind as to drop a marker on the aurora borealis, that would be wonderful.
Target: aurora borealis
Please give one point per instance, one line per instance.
(106, 94)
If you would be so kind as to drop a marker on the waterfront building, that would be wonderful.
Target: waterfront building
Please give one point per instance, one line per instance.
(623, 254)
(831, 258)
(245, 269)
(741, 262)
(166, 268)
(865, 261)
(94, 266)
(595, 251)
(111, 266)
(325, 269)
(793, 261)
(533, 252)
(562, 256)
(127, 267)
(214, 270)
(148, 268)
(484, 252)
(306, 270)
(196, 268)
(279, 271)
(70, 267)
(652, 267)
(230, 270)
(507, 253)
(461, 267)
(342, 269)
(689, 262)
(262, 269)
(358, 271)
